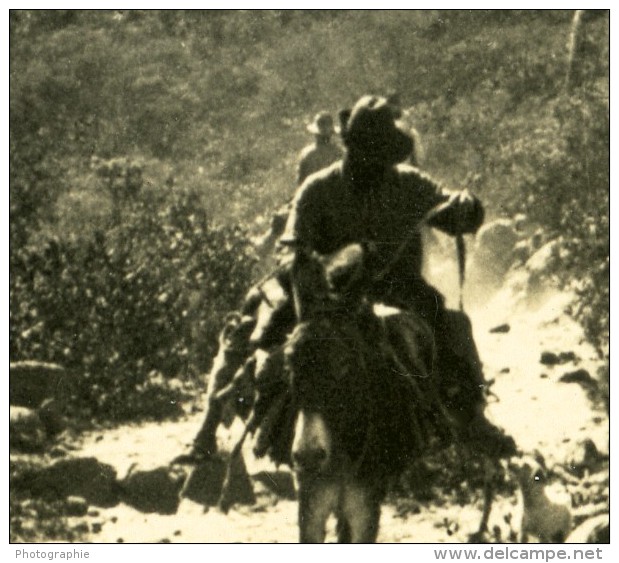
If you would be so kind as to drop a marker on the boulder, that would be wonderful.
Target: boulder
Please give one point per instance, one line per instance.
(84, 477)
(156, 490)
(50, 414)
(491, 258)
(32, 382)
(551, 358)
(31, 429)
(580, 376)
(493, 253)
(497, 238)
(500, 329)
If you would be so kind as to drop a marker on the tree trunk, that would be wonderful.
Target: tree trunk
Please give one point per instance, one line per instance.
(575, 51)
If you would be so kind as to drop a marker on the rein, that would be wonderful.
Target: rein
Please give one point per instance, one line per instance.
(461, 250)
(461, 254)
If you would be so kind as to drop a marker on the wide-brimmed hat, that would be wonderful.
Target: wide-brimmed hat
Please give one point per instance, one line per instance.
(322, 124)
(371, 130)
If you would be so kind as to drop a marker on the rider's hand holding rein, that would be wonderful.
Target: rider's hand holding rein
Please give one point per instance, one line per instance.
(462, 213)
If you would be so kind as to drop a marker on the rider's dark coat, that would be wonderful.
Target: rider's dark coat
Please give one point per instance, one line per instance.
(331, 210)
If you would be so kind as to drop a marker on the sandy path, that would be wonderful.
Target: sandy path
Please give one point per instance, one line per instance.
(538, 410)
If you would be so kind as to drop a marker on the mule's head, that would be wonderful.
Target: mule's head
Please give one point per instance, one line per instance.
(326, 284)
(328, 380)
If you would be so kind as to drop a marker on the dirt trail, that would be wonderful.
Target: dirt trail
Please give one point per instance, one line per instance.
(536, 408)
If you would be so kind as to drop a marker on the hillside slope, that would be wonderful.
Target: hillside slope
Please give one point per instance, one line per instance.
(211, 107)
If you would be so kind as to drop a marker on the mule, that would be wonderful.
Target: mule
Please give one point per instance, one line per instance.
(349, 400)
(353, 430)
(363, 409)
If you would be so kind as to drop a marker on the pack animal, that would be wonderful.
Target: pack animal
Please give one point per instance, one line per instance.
(359, 420)
(354, 428)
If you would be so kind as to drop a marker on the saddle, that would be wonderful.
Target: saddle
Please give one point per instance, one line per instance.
(403, 348)
(403, 343)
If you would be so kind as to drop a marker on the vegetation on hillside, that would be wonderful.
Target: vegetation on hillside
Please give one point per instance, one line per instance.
(128, 288)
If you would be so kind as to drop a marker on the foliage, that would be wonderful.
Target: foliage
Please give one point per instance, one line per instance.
(561, 169)
(126, 285)
(34, 185)
(129, 307)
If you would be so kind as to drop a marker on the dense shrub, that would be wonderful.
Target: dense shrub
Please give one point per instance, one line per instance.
(561, 169)
(34, 184)
(131, 292)
(129, 307)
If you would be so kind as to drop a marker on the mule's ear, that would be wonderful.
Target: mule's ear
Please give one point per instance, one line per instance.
(309, 286)
(344, 269)
(344, 116)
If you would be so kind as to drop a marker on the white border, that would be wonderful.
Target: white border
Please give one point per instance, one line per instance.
(217, 552)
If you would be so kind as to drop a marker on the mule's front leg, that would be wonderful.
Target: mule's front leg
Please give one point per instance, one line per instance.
(317, 500)
(343, 530)
(360, 507)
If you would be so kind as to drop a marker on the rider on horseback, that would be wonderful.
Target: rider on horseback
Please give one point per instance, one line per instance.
(369, 197)
(372, 199)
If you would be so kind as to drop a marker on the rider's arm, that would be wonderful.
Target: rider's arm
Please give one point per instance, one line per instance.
(303, 169)
(303, 225)
(453, 212)
(302, 237)
(301, 172)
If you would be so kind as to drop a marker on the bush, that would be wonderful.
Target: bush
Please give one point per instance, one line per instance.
(138, 287)
(561, 170)
(130, 307)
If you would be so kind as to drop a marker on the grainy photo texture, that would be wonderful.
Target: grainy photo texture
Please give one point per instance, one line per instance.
(309, 275)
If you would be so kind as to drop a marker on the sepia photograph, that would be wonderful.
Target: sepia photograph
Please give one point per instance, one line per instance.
(283, 276)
